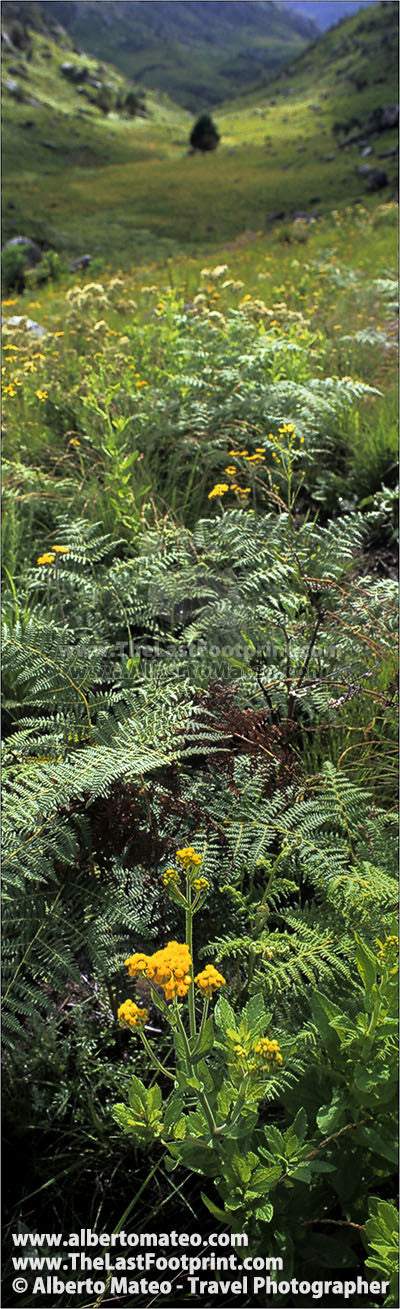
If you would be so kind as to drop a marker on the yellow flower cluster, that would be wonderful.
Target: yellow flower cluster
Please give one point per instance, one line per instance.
(200, 884)
(50, 556)
(209, 980)
(256, 458)
(268, 1052)
(258, 1058)
(388, 952)
(137, 963)
(219, 489)
(171, 877)
(188, 856)
(286, 431)
(259, 454)
(168, 968)
(130, 1015)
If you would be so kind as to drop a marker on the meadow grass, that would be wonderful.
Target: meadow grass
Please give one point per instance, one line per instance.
(128, 184)
(138, 365)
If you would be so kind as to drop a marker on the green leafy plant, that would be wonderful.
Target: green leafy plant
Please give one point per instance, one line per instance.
(13, 269)
(224, 1068)
(382, 1239)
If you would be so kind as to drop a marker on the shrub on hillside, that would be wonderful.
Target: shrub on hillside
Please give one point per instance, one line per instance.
(48, 270)
(13, 265)
(105, 98)
(204, 135)
(131, 104)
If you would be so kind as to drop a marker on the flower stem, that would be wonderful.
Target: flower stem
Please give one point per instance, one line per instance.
(154, 1059)
(204, 1017)
(200, 1093)
(57, 585)
(189, 943)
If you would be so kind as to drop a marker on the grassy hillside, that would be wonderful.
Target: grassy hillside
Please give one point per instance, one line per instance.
(129, 186)
(199, 54)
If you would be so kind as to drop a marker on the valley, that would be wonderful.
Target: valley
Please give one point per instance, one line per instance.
(200, 704)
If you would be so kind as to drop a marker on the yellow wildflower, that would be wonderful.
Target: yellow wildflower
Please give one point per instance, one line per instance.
(231, 471)
(41, 395)
(171, 877)
(219, 489)
(209, 980)
(388, 952)
(60, 549)
(268, 1052)
(201, 884)
(74, 442)
(167, 968)
(46, 559)
(188, 856)
(130, 1015)
(137, 963)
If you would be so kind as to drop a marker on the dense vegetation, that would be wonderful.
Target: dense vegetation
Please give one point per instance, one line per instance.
(199, 699)
(198, 57)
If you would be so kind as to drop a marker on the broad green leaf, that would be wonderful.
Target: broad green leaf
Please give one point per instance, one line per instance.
(173, 1112)
(137, 1092)
(224, 1015)
(331, 1116)
(213, 1208)
(254, 1015)
(366, 964)
(265, 1213)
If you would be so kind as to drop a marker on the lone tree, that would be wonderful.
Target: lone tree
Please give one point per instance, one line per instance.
(204, 135)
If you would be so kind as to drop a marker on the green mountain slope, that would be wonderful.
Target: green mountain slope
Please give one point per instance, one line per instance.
(199, 53)
(126, 189)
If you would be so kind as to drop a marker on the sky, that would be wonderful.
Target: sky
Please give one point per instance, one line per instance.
(327, 12)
